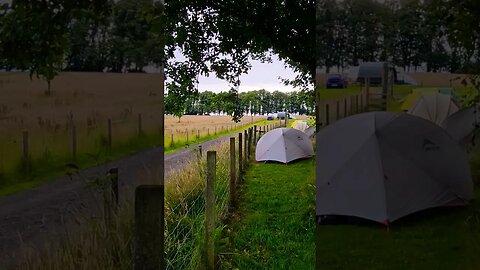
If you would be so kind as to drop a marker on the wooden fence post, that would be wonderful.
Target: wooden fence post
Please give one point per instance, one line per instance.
(140, 124)
(200, 151)
(74, 142)
(250, 141)
(245, 146)
(26, 154)
(338, 111)
(233, 174)
(254, 134)
(172, 143)
(149, 231)
(356, 104)
(208, 131)
(210, 209)
(215, 130)
(186, 132)
(351, 106)
(362, 107)
(113, 174)
(327, 114)
(344, 107)
(240, 156)
(109, 123)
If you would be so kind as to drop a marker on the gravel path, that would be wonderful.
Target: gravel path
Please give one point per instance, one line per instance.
(35, 217)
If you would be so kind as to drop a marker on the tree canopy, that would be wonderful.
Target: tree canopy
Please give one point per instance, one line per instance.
(46, 37)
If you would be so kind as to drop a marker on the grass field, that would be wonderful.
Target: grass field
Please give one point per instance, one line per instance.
(441, 240)
(87, 101)
(274, 227)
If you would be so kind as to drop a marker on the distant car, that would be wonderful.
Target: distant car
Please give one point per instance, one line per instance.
(336, 81)
(270, 117)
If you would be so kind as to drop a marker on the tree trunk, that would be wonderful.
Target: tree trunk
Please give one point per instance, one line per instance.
(49, 84)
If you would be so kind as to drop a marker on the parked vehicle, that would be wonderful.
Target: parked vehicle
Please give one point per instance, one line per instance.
(336, 81)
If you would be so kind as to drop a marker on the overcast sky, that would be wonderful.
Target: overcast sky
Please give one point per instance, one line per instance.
(261, 76)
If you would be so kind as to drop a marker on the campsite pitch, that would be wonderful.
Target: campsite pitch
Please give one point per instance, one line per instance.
(274, 226)
(445, 240)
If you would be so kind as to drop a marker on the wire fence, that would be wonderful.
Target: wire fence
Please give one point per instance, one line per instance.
(112, 246)
(185, 210)
(48, 150)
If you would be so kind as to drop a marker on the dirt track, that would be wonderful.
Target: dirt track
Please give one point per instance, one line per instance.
(40, 216)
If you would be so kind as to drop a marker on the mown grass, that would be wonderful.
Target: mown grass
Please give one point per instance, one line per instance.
(428, 240)
(326, 94)
(49, 165)
(95, 246)
(274, 225)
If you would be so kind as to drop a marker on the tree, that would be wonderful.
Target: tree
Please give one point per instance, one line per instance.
(205, 102)
(132, 44)
(88, 43)
(176, 101)
(33, 34)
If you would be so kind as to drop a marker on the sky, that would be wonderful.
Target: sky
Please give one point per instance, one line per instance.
(261, 76)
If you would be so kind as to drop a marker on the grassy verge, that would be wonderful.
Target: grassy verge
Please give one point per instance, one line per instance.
(337, 93)
(95, 246)
(442, 240)
(273, 227)
(48, 166)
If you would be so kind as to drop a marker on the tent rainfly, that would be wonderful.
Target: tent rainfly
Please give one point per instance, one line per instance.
(462, 124)
(283, 145)
(434, 106)
(412, 97)
(382, 166)
(374, 72)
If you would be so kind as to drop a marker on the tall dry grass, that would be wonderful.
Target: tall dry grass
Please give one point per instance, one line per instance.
(88, 100)
(95, 246)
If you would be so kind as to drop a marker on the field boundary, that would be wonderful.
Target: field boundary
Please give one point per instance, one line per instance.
(32, 172)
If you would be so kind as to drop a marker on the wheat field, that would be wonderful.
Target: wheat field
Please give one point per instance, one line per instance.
(83, 103)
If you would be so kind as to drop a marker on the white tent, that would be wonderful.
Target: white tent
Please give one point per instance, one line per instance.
(434, 106)
(382, 166)
(300, 125)
(283, 145)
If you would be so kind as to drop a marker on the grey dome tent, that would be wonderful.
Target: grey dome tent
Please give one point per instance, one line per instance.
(462, 124)
(374, 72)
(283, 145)
(434, 106)
(382, 166)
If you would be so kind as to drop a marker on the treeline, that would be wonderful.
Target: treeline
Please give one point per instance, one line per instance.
(441, 34)
(123, 35)
(118, 37)
(256, 102)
